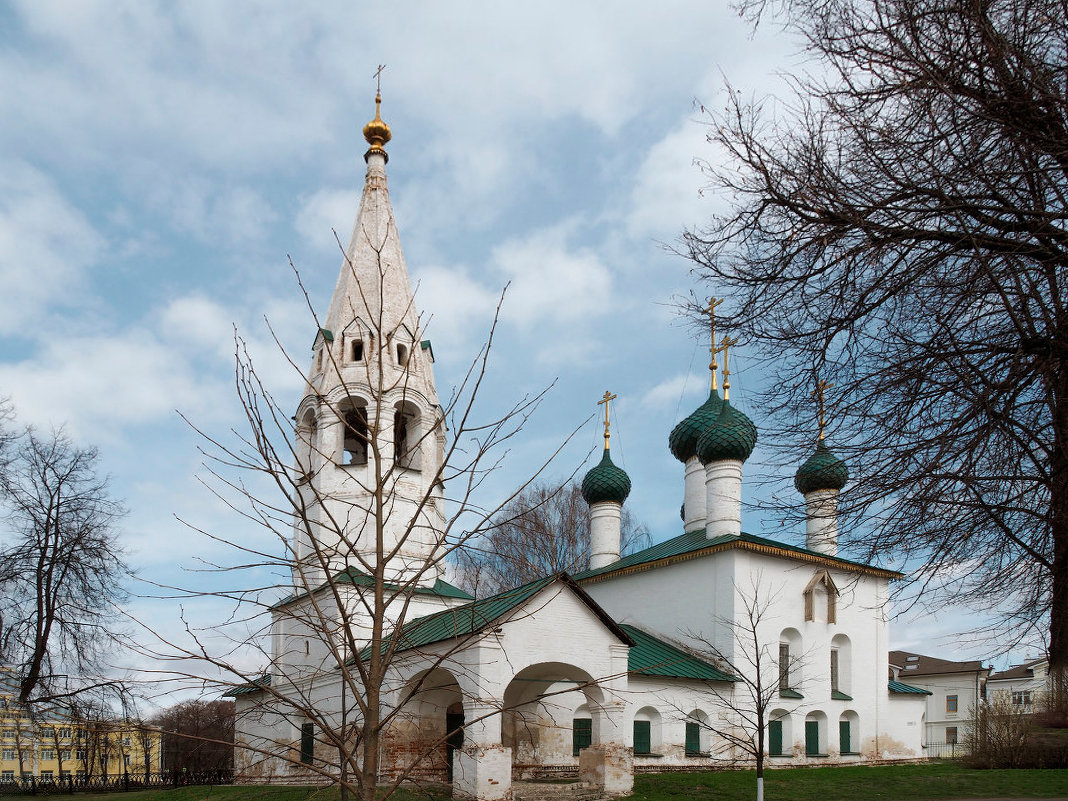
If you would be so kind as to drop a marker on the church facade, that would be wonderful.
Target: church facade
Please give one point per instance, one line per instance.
(672, 657)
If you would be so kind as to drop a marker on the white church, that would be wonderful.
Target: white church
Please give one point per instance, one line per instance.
(644, 662)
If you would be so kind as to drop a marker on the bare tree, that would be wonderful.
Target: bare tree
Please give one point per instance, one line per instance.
(61, 567)
(762, 671)
(545, 529)
(198, 735)
(899, 230)
(352, 492)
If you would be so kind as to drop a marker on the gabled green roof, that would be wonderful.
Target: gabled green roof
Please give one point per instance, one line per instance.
(355, 577)
(651, 656)
(695, 543)
(900, 688)
(470, 618)
(255, 686)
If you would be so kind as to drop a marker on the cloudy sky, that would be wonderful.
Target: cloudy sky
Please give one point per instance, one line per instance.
(161, 162)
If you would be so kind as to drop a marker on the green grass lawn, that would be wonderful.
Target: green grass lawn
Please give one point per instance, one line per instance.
(879, 783)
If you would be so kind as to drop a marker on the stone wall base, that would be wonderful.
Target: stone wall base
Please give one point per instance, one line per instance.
(482, 773)
(607, 768)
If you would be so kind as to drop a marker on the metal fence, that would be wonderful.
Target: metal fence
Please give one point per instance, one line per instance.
(945, 750)
(111, 783)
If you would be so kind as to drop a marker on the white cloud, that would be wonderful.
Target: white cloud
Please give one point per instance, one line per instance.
(46, 246)
(550, 283)
(324, 212)
(667, 394)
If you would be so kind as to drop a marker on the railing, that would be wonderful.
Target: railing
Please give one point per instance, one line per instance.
(945, 750)
(111, 783)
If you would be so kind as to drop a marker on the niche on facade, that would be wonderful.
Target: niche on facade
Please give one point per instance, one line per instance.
(821, 599)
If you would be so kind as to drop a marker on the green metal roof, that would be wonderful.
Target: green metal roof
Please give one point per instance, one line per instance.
(471, 618)
(255, 686)
(787, 692)
(353, 576)
(691, 544)
(901, 688)
(651, 656)
(838, 695)
(328, 335)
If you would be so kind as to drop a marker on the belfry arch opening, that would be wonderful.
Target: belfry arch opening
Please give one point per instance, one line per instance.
(354, 433)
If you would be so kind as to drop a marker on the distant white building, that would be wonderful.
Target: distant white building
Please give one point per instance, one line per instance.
(604, 672)
(956, 690)
(1024, 685)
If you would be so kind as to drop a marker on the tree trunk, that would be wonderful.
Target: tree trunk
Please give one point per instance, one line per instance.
(1058, 612)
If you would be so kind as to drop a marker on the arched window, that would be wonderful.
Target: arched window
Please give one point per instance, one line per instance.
(356, 350)
(780, 733)
(841, 666)
(821, 599)
(402, 354)
(354, 434)
(646, 731)
(849, 733)
(816, 734)
(790, 664)
(697, 730)
(406, 435)
(581, 729)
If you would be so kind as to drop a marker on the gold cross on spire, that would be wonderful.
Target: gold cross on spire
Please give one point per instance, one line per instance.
(725, 347)
(821, 404)
(378, 78)
(711, 309)
(606, 399)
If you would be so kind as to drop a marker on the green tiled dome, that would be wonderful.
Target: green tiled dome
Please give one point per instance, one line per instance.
(605, 482)
(732, 436)
(822, 471)
(683, 438)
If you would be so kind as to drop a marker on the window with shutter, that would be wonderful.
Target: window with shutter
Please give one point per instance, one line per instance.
(307, 743)
(693, 739)
(844, 742)
(581, 734)
(812, 737)
(642, 737)
(775, 738)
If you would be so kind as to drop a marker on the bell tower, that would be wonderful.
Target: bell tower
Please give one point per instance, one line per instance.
(370, 431)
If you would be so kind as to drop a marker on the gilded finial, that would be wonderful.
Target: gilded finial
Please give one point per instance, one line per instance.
(725, 347)
(605, 400)
(712, 350)
(376, 132)
(821, 404)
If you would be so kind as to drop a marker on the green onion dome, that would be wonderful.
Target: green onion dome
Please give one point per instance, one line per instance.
(683, 437)
(605, 482)
(732, 436)
(822, 471)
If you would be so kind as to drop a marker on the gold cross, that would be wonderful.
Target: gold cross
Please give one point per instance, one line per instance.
(608, 396)
(821, 403)
(725, 347)
(378, 77)
(711, 309)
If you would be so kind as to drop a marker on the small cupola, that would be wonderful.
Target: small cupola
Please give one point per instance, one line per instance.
(683, 437)
(733, 436)
(605, 488)
(606, 482)
(821, 471)
(819, 480)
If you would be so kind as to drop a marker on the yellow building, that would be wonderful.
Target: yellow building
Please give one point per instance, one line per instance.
(50, 745)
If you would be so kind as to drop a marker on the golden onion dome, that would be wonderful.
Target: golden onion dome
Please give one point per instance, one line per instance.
(376, 132)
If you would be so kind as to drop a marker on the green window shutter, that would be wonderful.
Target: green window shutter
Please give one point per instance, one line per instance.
(775, 738)
(812, 737)
(581, 734)
(844, 744)
(307, 743)
(643, 740)
(693, 739)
